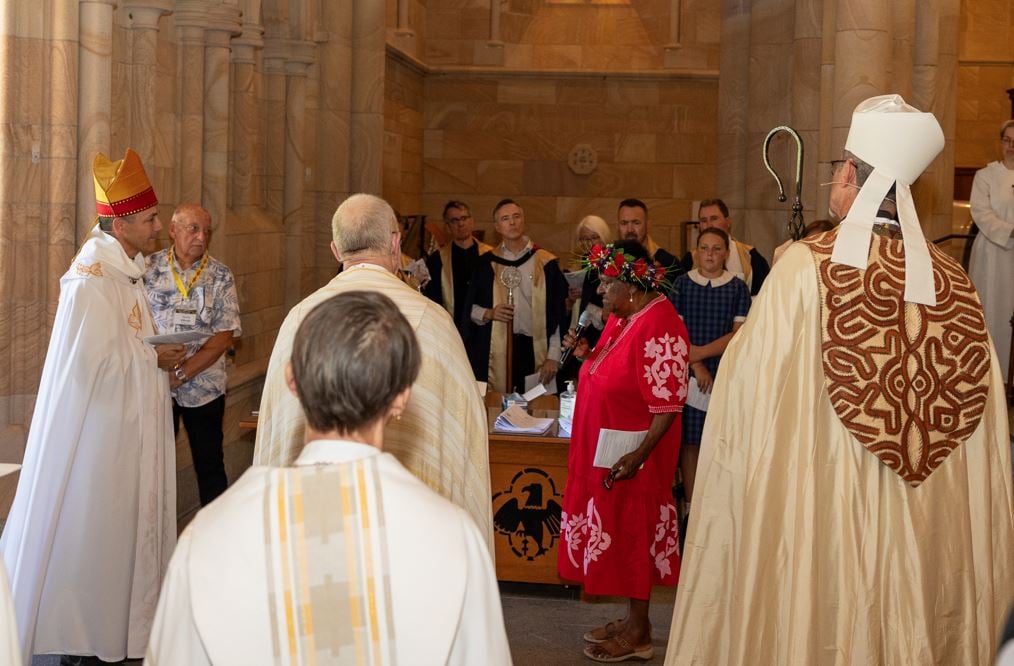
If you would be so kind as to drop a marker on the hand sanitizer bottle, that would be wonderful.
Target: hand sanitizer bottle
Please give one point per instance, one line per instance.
(567, 400)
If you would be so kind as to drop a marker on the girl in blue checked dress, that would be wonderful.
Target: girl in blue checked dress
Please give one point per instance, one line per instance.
(713, 303)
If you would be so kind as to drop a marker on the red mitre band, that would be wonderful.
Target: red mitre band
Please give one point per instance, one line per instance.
(129, 206)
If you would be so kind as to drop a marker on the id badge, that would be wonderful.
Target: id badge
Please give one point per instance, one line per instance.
(185, 317)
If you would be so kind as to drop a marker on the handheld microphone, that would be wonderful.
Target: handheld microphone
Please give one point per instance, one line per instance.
(583, 322)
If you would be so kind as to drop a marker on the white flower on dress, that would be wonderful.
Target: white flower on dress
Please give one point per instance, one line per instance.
(574, 530)
(667, 539)
(598, 539)
(669, 356)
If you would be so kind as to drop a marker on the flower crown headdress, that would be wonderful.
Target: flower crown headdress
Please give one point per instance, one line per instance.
(613, 262)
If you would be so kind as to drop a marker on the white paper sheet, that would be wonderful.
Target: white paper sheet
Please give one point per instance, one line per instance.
(177, 338)
(532, 380)
(697, 398)
(534, 392)
(516, 420)
(614, 444)
(576, 278)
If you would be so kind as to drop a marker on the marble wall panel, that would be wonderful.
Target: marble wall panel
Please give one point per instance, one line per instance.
(632, 56)
(985, 70)
(540, 35)
(449, 52)
(474, 21)
(504, 176)
(403, 128)
(693, 181)
(651, 138)
(686, 148)
(450, 175)
(526, 92)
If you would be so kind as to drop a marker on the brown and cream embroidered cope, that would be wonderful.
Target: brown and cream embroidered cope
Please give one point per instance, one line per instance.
(907, 380)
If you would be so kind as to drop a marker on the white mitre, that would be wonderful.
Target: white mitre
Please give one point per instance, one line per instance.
(899, 142)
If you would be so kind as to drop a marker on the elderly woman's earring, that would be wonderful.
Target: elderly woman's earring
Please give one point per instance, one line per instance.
(631, 297)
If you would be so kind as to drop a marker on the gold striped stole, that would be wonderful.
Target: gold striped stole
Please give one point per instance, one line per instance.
(328, 577)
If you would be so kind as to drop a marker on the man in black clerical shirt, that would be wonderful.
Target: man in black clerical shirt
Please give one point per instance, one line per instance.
(451, 266)
(632, 224)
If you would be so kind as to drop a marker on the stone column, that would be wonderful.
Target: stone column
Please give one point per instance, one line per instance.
(805, 108)
(838, 53)
(247, 138)
(368, 60)
(862, 46)
(675, 43)
(733, 107)
(224, 23)
(291, 59)
(95, 66)
(772, 74)
(293, 212)
(274, 124)
(403, 29)
(934, 85)
(143, 17)
(190, 18)
(494, 22)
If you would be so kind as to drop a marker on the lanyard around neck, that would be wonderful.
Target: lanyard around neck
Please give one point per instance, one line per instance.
(182, 288)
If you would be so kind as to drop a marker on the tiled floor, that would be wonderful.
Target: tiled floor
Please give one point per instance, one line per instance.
(545, 624)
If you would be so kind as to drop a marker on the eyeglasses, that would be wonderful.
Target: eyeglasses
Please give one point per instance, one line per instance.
(195, 228)
(457, 220)
(1007, 141)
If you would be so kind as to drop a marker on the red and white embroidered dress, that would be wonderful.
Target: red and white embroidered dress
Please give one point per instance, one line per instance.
(622, 541)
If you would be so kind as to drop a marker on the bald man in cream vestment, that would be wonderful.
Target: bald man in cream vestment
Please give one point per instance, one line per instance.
(442, 437)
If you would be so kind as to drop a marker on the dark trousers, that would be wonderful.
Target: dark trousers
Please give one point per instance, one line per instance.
(523, 361)
(204, 430)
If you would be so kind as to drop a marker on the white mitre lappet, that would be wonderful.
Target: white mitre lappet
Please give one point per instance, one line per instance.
(899, 142)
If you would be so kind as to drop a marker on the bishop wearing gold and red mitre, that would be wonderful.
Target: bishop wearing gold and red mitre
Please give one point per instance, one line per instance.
(93, 522)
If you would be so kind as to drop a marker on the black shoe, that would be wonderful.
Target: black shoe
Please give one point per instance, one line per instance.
(74, 660)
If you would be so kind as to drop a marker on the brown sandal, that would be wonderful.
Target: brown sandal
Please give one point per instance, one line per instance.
(618, 649)
(610, 629)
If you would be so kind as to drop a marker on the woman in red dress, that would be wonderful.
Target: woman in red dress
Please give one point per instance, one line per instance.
(619, 532)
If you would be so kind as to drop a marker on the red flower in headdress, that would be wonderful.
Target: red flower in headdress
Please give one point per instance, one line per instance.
(611, 270)
(640, 268)
(619, 259)
(597, 253)
(659, 271)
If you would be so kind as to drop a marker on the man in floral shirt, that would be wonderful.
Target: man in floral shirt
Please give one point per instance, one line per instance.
(191, 291)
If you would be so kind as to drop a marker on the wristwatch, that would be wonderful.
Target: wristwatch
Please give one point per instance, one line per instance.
(180, 375)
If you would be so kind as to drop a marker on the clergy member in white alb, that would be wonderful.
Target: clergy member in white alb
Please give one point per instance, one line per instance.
(94, 519)
(344, 557)
(442, 436)
(854, 496)
(991, 265)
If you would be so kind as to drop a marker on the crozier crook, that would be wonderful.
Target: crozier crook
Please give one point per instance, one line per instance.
(795, 225)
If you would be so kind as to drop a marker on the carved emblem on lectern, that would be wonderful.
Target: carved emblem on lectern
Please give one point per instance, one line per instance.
(528, 513)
